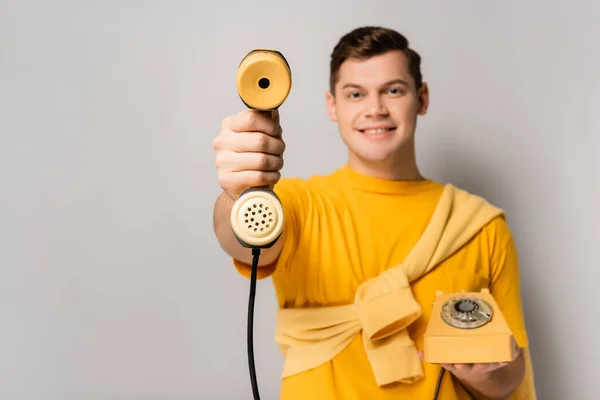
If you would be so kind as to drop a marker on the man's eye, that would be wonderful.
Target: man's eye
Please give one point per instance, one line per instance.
(353, 95)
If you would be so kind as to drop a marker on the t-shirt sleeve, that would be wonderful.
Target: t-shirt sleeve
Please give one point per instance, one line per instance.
(505, 285)
(293, 194)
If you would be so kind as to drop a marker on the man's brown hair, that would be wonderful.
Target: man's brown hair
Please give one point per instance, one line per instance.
(368, 41)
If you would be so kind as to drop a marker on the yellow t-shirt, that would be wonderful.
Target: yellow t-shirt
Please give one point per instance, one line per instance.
(345, 228)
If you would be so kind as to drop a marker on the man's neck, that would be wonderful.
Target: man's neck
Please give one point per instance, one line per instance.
(396, 169)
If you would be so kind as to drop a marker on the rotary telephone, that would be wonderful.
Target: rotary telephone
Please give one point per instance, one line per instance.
(467, 328)
(263, 82)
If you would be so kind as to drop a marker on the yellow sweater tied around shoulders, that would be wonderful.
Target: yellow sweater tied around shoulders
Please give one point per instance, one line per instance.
(384, 306)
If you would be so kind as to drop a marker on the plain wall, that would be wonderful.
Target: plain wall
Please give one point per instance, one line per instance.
(112, 284)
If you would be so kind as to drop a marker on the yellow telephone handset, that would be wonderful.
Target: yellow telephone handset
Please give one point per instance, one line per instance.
(263, 82)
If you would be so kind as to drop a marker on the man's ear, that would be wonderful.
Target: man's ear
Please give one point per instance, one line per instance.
(330, 103)
(423, 99)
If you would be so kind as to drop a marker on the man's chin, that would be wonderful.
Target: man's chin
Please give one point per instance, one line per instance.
(373, 157)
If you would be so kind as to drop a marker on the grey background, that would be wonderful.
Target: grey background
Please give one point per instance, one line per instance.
(112, 284)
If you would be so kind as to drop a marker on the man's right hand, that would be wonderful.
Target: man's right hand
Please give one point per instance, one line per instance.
(249, 151)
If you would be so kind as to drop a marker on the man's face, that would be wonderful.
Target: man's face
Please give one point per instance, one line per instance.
(376, 105)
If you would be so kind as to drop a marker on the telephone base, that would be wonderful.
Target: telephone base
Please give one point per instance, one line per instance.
(467, 328)
(459, 350)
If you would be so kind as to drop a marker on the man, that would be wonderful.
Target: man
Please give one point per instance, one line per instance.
(346, 229)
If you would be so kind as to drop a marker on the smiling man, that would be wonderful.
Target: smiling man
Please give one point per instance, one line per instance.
(372, 241)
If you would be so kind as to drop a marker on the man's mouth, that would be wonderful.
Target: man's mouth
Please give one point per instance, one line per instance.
(376, 131)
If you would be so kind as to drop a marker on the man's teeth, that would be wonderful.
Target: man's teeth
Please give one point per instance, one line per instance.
(376, 131)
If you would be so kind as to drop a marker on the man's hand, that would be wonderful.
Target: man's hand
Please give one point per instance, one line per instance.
(489, 381)
(475, 372)
(249, 151)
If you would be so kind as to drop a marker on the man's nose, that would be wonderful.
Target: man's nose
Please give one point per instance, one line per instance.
(376, 107)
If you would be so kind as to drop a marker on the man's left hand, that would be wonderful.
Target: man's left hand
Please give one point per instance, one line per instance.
(475, 372)
(485, 377)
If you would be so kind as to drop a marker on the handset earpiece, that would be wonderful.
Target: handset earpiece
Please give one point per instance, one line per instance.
(263, 82)
(264, 79)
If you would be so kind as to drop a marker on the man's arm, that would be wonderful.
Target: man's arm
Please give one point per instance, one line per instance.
(228, 241)
(492, 382)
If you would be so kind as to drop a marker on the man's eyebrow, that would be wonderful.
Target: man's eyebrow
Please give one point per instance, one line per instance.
(350, 85)
(395, 81)
(392, 82)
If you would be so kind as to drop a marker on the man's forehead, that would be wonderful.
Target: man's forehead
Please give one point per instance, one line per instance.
(375, 70)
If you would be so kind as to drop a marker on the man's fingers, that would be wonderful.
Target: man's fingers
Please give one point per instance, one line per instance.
(461, 367)
(239, 181)
(236, 162)
(258, 178)
(256, 142)
(253, 121)
(496, 366)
